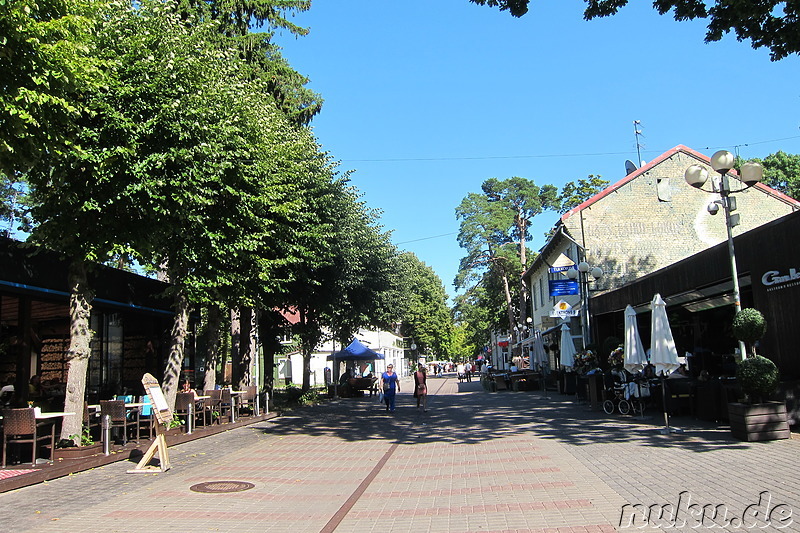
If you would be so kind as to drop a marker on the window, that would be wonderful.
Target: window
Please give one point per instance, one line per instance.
(663, 190)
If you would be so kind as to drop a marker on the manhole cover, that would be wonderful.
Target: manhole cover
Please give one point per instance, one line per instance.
(222, 486)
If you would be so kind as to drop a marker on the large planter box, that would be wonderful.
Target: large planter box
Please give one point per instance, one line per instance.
(759, 421)
(78, 452)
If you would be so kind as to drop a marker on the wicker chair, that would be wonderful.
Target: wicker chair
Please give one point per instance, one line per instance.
(226, 404)
(147, 419)
(248, 400)
(20, 427)
(185, 406)
(92, 421)
(118, 417)
(212, 404)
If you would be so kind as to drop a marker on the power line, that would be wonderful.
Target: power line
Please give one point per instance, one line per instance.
(543, 156)
(427, 238)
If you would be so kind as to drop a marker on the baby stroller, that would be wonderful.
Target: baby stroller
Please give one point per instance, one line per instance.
(624, 394)
(614, 395)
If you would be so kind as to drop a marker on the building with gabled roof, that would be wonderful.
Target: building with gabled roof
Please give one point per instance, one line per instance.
(644, 222)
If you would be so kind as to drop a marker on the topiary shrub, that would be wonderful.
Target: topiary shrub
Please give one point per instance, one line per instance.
(749, 326)
(758, 377)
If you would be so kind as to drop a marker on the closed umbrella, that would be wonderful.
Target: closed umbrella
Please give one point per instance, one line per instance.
(635, 356)
(663, 354)
(539, 356)
(567, 347)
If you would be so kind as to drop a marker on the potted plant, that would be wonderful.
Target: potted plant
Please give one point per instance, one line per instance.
(755, 418)
(173, 427)
(77, 446)
(749, 326)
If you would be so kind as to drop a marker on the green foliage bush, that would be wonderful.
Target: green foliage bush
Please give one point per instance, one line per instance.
(749, 325)
(758, 377)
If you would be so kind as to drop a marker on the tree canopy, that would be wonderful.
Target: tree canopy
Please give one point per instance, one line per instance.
(782, 172)
(765, 23)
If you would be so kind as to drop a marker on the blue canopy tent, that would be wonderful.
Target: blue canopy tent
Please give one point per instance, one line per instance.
(356, 352)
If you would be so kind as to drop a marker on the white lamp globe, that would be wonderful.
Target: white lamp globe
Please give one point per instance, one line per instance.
(722, 161)
(572, 273)
(583, 266)
(751, 173)
(597, 272)
(696, 176)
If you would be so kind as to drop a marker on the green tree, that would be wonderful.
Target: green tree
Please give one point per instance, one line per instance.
(494, 231)
(262, 59)
(424, 314)
(47, 64)
(782, 172)
(765, 23)
(574, 194)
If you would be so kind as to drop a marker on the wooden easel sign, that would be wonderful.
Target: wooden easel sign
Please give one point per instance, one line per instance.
(163, 414)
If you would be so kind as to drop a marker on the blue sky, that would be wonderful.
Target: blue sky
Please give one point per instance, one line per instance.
(426, 99)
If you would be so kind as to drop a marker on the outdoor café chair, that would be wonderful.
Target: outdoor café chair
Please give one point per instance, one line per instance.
(248, 399)
(212, 404)
(185, 403)
(92, 421)
(226, 404)
(118, 417)
(147, 420)
(20, 427)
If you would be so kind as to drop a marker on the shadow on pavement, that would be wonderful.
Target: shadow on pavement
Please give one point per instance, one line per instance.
(479, 416)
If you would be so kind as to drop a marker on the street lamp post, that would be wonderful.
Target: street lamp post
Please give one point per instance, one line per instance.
(581, 273)
(750, 173)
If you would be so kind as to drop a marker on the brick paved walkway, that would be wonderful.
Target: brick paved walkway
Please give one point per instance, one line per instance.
(477, 461)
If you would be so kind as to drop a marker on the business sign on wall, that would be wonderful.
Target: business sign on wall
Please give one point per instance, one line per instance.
(563, 287)
(774, 280)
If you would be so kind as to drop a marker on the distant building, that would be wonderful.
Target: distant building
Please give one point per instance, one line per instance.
(384, 342)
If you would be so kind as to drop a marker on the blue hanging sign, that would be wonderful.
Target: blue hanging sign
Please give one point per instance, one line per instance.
(563, 287)
(554, 270)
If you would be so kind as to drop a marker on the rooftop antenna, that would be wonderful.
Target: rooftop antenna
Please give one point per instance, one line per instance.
(637, 131)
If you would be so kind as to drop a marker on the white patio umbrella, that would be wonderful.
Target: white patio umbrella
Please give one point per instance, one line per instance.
(635, 356)
(567, 347)
(663, 354)
(538, 356)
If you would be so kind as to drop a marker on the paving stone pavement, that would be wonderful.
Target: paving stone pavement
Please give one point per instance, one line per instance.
(475, 462)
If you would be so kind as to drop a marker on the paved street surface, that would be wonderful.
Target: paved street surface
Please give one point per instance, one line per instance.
(476, 461)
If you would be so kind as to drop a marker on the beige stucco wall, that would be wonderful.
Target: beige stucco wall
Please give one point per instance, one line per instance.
(631, 232)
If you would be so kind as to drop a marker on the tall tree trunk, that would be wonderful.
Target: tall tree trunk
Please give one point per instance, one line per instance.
(509, 306)
(523, 289)
(246, 352)
(213, 346)
(236, 341)
(172, 372)
(80, 336)
(307, 349)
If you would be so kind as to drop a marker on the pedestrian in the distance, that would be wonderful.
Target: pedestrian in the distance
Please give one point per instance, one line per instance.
(421, 388)
(390, 385)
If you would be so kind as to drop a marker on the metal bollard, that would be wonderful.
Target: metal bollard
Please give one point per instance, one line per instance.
(190, 419)
(106, 429)
(257, 410)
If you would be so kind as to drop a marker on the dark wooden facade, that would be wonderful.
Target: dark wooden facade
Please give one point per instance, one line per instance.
(131, 320)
